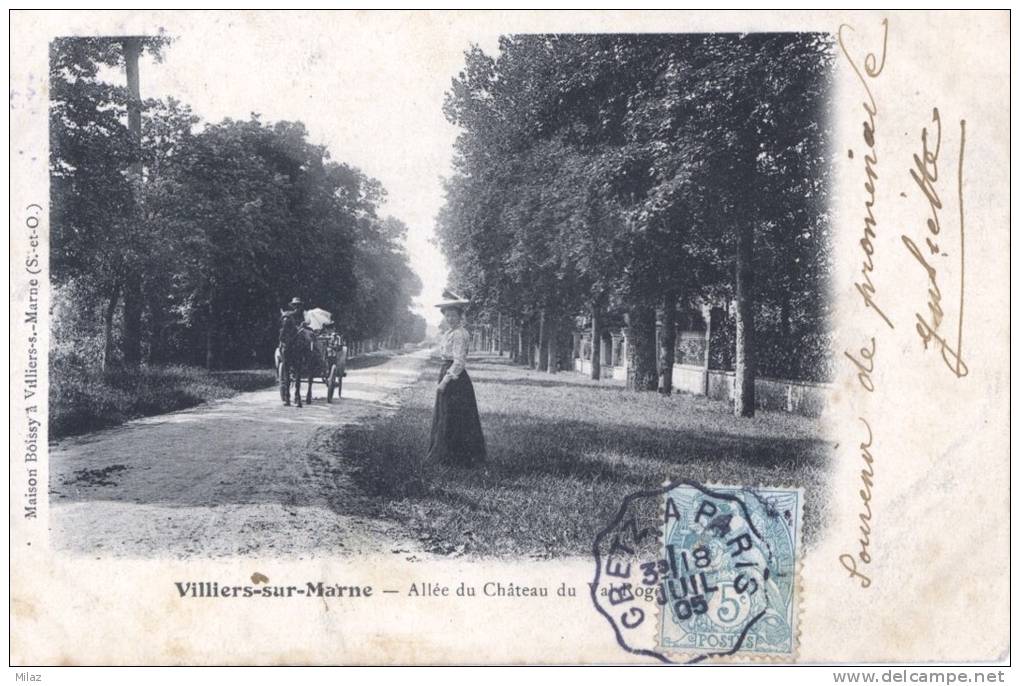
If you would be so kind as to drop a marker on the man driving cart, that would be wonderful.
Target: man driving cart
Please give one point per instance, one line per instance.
(328, 359)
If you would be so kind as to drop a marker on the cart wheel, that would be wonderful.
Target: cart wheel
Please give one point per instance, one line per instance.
(332, 383)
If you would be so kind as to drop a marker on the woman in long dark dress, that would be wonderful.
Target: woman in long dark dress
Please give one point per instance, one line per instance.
(456, 437)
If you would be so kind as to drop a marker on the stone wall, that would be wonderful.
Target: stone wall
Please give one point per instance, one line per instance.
(690, 374)
(799, 397)
(782, 395)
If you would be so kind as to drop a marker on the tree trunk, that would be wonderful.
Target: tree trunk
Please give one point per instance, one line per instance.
(641, 364)
(522, 342)
(743, 383)
(132, 52)
(596, 341)
(667, 343)
(566, 344)
(543, 346)
(111, 308)
(499, 333)
(132, 324)
(532, 343)
(793, 363)
(209, 339)
(526, 348)
(515, 336)
(551, 348)
(709, 332)
(156, 336)
(784, 319)
(131, 339)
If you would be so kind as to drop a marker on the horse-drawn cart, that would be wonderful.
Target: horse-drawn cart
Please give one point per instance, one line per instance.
(325, 356)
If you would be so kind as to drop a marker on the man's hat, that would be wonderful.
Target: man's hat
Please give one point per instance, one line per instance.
(295, 303)
(451, 299)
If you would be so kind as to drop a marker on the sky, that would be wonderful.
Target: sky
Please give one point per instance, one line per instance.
(369, 88)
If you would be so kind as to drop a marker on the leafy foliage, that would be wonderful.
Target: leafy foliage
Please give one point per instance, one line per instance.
(616, 168)
(226, 223)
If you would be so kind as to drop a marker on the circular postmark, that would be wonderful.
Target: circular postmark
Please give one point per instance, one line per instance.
(687, 572)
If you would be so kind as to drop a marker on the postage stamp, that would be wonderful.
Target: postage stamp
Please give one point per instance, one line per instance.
(687, 572)
(732, 557)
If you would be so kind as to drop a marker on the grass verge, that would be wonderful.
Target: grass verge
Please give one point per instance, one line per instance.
(84, 400)
(563, 452)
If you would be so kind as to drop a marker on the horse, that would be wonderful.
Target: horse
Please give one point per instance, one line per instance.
(296, 357)
(328, 362)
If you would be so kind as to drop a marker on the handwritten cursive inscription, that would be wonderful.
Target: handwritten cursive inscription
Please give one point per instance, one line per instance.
(865, 365)
(925, 174)
(864, 360)
(863, 555)
(873, 67)
(929, 251)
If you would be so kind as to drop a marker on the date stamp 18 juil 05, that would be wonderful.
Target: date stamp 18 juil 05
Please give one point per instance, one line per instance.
(688, 573)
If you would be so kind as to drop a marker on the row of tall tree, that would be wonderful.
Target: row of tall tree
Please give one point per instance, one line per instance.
(174, 240)
(635, 176)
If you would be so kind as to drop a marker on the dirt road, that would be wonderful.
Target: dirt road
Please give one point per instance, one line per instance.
(242, 476)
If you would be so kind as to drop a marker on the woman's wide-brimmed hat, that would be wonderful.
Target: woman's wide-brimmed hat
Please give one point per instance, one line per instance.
(451, 299)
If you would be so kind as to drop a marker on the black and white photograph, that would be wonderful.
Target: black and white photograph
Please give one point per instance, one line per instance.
(658, 325)
(612, 203)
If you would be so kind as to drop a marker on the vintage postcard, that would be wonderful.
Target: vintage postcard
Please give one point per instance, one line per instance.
(468, 337)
